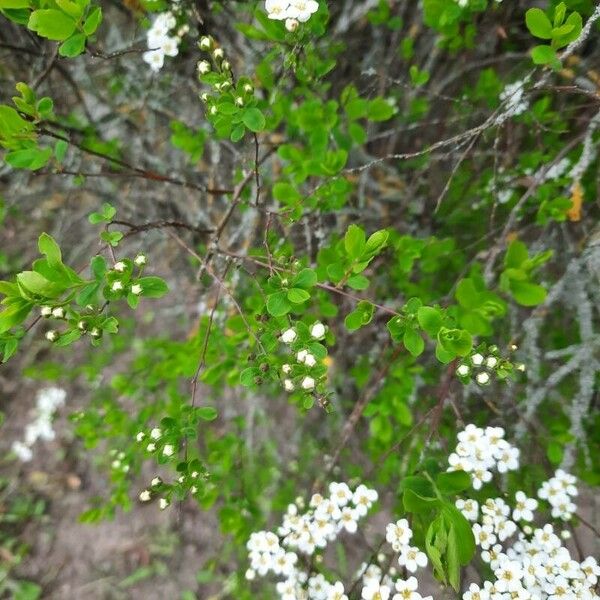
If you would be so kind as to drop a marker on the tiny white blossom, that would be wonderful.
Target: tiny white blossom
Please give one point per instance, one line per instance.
(317, 330)
(308, 383)
(289, 335)
(145, 496)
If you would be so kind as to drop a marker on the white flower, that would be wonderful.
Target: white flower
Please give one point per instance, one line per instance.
(120, 266)
(524, 507)
(375, 591)
(469, 508)
(508, 576)
(363, 499)
(308, 383)
(163, 503)
(58, 312)
(288, 385)
(155, 433)
(349, 519)
(51, 335)
(205, 43)
(117, 286)
(340, 493)
(156, 481)
(475, 593)
(291, 24)
(250, 574)
(151, 447)
(168, 450)
(484, 535)
(155, 58)
(218, 53)
(317, 330)
(301, 356)
(407, 589)
(477, 359)
(140, 260)
(302, 10)
(310, 360)
(46, 311)
(463, 370)
(145, 496)
(412, 558)
(277, 9)
(399, 533)
(203, 67)
(22, 451)
(482, 378)
(591, 570)
(336, 592)
(289, 335)
(286, 368)
(491, 362)
(136, 289)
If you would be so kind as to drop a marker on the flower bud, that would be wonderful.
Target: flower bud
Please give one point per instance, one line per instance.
(145, 496)
(140, 260)
(120, 267)
(218, 54)
(46, 311)
(291, 25)
(52, 335)
(136, 289)
(203, 67)
(205, 43)
(58, 312)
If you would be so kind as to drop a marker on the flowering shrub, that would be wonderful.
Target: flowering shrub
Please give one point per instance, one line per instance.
(327, 271)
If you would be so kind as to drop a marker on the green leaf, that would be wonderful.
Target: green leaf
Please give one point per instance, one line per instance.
(29, 158)
(457, 342)
(207, 413)
(358, 282)
(298, 295)
(544, 55)
(92, 21)
(253, 119)
(37, 284)
(153, 287)
(278, 304)
(15, 3)
(355, 242)
(413, 342)
(73, 46)
(305, 279)
(360, 316)
(538, 23)
(50, 249)
(14, 314)
(52, 24)
(379, 110)
(415, 503)
(430, 319)
(453, 482)
(248, 376)
(527, 293)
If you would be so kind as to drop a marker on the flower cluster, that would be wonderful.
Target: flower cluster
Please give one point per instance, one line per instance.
(399, 534)
(48, 401)
(558, 492)
(293, 12)
(304, 357)
(480, 451)
(536, 565)
(161, 40)
(308, 532)
(481, 367)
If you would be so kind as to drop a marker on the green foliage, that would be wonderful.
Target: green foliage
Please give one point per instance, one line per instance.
(561, 31)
